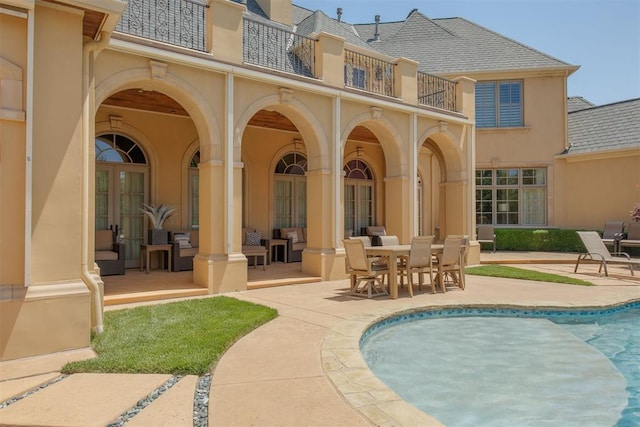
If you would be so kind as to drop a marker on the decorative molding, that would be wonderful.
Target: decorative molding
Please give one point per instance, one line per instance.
(116, 122)
(376, 113)
(158, 70)
(286, 95)
(443, 126)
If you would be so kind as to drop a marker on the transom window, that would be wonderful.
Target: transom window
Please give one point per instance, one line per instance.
(499, 104)
(114, 148)
(511, 196)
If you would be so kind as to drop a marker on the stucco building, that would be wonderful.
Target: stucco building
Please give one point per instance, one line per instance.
(261, 115)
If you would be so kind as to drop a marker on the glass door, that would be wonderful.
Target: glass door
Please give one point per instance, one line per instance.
(120, 193)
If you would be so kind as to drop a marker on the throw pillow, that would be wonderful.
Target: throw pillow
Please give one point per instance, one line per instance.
(182, 239)
(293, 235)
(252, 238)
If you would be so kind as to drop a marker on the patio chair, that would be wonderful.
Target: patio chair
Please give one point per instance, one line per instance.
(450, 263)
(420, 262)
(598, 252)
(631, 238)
(612, 230)
(389, 240)
(367, 277)
(486, 234)
(109, 255)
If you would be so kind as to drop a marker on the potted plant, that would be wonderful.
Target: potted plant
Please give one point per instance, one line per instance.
(158, 215)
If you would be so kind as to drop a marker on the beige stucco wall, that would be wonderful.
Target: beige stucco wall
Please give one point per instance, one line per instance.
(53, 313)
(594, 189)
(12, 153)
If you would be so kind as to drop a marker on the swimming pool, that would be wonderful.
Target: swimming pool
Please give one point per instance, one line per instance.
(508, 366)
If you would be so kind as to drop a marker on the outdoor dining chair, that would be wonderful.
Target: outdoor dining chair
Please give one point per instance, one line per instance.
(450, 263)
(420, 262)
(367, 276)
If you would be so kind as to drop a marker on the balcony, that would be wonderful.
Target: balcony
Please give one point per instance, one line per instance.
(176, 22)
(277, 48)
(368, 73)
(436, 92)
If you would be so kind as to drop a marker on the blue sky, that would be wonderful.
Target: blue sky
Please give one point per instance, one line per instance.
(601, 36)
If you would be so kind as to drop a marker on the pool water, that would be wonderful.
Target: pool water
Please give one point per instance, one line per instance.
(509, 367)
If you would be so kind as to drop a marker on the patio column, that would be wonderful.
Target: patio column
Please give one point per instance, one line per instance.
(397, 198)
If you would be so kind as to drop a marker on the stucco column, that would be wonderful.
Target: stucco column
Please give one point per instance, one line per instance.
(319, 258)
(212, 267)
(397, 222)
(225, 28)
(330, 59)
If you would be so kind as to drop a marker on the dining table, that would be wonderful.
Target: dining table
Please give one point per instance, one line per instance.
(392, 253)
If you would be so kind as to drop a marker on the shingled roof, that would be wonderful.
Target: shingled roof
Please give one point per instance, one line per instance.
(605, 128)
(575, 103)
(455, 45)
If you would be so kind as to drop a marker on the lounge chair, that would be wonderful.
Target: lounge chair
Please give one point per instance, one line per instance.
(612, 231)
(598, 252)
(486, 234)
(632, 237)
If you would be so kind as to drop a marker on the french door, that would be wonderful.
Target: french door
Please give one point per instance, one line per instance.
(358, 205)
(290, 201)
(121, 189)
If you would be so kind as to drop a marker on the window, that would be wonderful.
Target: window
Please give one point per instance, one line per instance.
(291, 191)
(355, 77)
(194, 191)
(511, 196)
(358, 196)
(499, 104)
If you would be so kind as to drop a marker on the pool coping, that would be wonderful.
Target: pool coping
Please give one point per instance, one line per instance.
(345, 366)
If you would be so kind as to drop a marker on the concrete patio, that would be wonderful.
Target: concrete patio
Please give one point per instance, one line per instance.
(303, 368)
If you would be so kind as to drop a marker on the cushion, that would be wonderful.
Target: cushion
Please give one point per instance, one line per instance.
(194, 238)
(293, 235)
(104, 240)
(284, 233)
(298, 246)
(182, 239)
(187, 252)
(252, 238)
(105, 255)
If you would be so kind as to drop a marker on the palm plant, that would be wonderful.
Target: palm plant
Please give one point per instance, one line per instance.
(158, 214)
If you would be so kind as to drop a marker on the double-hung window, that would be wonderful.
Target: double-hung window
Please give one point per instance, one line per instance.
(499, 104)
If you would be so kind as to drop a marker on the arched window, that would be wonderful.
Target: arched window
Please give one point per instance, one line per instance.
(359, 203)
(114, 148)
(194, 191)
(291, 191)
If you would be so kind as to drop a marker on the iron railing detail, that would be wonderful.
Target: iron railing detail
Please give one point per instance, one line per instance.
(368, 73)
(177, 22)
(436, 91)
(278, 48)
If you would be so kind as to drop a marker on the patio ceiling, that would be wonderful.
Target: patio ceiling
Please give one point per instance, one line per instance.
(139, 99)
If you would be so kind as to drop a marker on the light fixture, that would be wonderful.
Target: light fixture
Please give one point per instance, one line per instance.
(359, 151)
(296, 141)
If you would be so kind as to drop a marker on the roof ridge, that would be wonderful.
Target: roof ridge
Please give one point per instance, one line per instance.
(611, 104)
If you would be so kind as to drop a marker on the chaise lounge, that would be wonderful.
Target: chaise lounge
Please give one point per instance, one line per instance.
(598, 252)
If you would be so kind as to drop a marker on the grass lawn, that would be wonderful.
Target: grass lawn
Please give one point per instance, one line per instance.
(495, 270)
(181, 338)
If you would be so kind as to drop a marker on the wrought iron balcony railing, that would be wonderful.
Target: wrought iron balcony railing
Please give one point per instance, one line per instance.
(436, 91)
(368, 73)
(177, 22)
(277, 48)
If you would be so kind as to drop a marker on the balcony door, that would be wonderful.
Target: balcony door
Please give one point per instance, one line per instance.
(121, 188)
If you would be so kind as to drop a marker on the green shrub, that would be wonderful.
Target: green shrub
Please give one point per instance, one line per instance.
(537, 239)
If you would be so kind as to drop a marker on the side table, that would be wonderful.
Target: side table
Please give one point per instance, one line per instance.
(275, 243)
(145, 250)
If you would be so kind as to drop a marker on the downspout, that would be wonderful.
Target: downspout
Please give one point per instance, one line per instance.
(89, 278)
